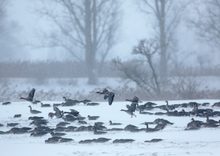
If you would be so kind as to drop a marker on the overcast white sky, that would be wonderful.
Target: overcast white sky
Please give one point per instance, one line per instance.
(133, 28)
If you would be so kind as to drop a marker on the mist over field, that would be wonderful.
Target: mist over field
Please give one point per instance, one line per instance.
(109, 77)
(165, 52)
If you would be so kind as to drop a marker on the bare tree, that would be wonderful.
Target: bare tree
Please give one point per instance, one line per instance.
(143, 71)
(86, 27)
(167, 14)
(8, 43)
(207, 23)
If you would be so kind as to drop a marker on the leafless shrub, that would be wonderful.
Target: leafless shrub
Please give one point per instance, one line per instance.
(142, 71)
(186, 87)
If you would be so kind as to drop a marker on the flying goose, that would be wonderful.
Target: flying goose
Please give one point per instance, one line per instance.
(30, 96)
(107, 95)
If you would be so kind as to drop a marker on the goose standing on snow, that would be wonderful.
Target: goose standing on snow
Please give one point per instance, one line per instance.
(114, 124)
(34, 111)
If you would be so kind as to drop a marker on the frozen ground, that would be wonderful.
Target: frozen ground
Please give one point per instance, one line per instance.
(176, 141)
(54, 89)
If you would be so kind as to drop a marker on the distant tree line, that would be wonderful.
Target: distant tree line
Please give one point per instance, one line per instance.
(51, 69)
(70, 69)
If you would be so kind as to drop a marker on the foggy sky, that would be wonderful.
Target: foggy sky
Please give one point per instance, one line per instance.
(134, 26)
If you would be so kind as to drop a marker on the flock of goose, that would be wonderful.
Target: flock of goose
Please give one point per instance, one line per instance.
(39, 125)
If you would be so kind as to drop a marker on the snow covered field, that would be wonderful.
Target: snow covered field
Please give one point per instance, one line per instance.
(176, 141)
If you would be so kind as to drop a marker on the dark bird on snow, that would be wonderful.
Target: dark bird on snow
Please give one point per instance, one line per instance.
(12, 124)
(93, 117)
(70, 102)
(107, 95)
(62, 124)
(17, 115)
(44, 105)
(53, 140)
(217, 104)
(111, 123)
(153, 140)
(6, 103)
(194, 124)
(57, 134)
(169, 107)
(51, 114)
(34, 111)
(99, 129)
(123, 140)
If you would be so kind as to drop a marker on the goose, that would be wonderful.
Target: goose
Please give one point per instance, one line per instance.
(38, 133)
(34, 111)
(73, 112)
(82, 122)
(211, 121)
(44, 105)
(92, 117)
(53, 140)
(92, 104)
(98, 128)
(40, 122)
(58, 112)
(6, 103)
(111, 123)
(107, 95)
(123, 140)
(99, 140)
(65, 140)
(97, 131)
(217, 104)
(169, 107)
(17, 115)
(57, 134)
(62, 124)
(12, 124)
(70, 129)
(131, 128)
(87, 141)
(115, 129)
(153, 140)
(51, 115)
(194, 124)
(162, 121)
(35, 118)
(69, 102)
(30, 96)
(60, 129)
(19, 130)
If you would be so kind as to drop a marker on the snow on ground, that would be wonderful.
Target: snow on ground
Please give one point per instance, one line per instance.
(54, 89)
(176, 141)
